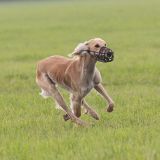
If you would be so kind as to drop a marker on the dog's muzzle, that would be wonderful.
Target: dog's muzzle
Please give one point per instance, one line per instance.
(104, 55)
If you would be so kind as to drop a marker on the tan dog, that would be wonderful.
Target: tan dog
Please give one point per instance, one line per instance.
(78, 75)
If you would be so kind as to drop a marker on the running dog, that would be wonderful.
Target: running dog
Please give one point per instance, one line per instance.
(78, 75)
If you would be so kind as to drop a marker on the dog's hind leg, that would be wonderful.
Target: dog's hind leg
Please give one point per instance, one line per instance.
(59, 99)
(100, 89)
(89, 110)
(47, 84)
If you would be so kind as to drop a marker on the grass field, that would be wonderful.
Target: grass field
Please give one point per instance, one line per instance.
(32, 129)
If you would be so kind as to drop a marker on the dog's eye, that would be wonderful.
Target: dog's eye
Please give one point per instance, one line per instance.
(97, 46)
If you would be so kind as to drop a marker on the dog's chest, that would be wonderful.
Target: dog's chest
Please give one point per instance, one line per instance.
(86, 88)
(86, 81)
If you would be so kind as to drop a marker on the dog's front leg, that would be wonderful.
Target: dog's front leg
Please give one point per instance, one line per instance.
(89, 110)
(76, 105)
(59, 99)
(75, 102)
(104, 94)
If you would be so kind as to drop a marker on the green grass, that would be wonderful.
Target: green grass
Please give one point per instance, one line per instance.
(32, 129)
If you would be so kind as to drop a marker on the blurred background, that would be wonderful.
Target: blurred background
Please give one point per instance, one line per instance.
(30, 127)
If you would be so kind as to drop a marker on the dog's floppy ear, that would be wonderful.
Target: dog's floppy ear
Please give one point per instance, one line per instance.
(81, 49)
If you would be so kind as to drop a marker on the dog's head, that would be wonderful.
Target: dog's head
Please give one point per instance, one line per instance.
(95, 48)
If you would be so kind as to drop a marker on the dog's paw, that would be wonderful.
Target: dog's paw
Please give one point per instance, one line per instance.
(110, 108)
(93, 114)
(66, 117)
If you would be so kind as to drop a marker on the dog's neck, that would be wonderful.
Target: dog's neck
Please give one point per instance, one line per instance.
(88, 68)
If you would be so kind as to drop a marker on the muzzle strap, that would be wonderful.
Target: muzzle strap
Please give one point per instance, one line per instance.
(104, 55)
